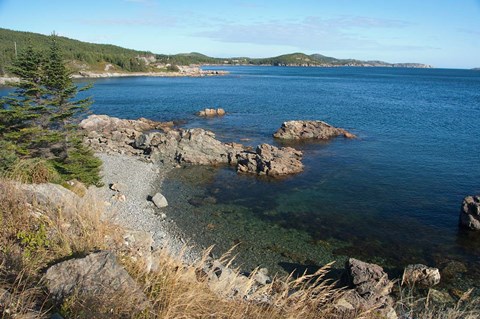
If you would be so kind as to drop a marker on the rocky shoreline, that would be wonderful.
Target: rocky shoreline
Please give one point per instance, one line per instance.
(138, 155)
(186, 72)
(195, 72)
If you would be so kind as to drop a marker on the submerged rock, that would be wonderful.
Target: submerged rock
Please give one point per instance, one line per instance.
(421, 275)
(439, 297)
(470, 212)
(270, 160)
(319, 130)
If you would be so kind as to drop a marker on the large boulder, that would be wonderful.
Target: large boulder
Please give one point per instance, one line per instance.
(211, 112)
(270, 160)
(319, 130)
(44, 199)
(421, 275)
(368, 279)
(369, 290)
(97, 274)
(470, 212)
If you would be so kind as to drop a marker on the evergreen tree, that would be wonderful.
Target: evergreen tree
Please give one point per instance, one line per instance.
(60, 91)
(39, 120)
(19, 110)
(27, 67)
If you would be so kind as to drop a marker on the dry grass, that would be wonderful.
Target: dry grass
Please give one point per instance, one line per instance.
(34, 171)
(34, 236)
(411, 304)
(176, 290)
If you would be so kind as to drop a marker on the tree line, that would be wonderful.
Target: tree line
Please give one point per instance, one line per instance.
(12, 43)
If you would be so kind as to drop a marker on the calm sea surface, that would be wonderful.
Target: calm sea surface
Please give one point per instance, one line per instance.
(391, 196)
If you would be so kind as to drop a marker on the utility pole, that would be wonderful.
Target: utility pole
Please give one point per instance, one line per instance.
(15, 45)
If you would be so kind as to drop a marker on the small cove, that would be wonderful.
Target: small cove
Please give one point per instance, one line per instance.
(390, 197)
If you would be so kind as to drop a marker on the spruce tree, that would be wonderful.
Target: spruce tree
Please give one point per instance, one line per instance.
(63, 107)
(39, 120)
(20, 109)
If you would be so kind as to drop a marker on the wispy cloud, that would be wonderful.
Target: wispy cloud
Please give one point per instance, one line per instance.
(361, 22)
(311, 33)
(164, 21)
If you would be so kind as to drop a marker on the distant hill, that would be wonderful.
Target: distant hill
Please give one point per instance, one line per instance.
(476, 69)
(81, 55)
(293, 59)
(301, 59)
(84, 56)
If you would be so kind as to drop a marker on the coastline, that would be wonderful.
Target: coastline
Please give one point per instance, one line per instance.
(141, 179)
(97, 75)
(188, 73)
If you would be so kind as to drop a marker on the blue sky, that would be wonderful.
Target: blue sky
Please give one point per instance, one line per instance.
(444, 33)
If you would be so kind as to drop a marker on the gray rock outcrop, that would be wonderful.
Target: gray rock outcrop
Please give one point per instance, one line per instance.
(44, 198)
(470, 212)
(191, 146)
(113, 135)
(421, 275)
(270, 160)
(160, 142)
(97, 274)
(319, 130)
(370, 287)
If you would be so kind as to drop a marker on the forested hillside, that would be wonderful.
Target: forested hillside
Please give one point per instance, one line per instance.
(80, 54)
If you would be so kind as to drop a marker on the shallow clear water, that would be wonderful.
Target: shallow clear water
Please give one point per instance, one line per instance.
(391, 196)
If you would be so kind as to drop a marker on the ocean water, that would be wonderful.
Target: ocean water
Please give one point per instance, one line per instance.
(391, 196)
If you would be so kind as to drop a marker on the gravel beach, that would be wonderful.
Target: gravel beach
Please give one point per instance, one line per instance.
(141, 180)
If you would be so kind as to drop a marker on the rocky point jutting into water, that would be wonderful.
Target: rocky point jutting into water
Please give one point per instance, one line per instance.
(162, 142)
